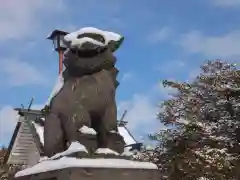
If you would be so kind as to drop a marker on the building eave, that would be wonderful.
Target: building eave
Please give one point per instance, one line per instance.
(10, 146)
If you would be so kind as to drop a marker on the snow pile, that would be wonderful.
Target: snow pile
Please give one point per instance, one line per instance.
(114, 132)
(73, 148)
(43, 158)
(127, 152)
(73, 41)
(69, 162)
(87, 130)
(106, 151)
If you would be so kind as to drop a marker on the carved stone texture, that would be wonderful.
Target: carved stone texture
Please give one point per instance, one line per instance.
(87, 98)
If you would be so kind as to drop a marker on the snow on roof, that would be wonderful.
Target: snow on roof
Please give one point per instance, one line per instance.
(128, 139)
(40, 132)
(70, 162)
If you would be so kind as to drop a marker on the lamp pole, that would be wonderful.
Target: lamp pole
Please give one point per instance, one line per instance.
(60, 63)
(57, 37)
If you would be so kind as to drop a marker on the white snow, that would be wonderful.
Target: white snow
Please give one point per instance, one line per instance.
(127, 152)
(75, 42)
(113, 132)
(74, 147)
(224, 150)
(40, 132)
(202, 178)
(79, 42)
(43, 158)
(106, 151)
(42, 118)
(69, 162)
(58, 86)
(87, 130)
(183, 121)
(128, 139)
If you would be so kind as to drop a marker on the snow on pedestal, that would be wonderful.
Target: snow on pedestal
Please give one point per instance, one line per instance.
(73, 148)
(106, 151)
(127, 152)
(69, 162)
(86, 130)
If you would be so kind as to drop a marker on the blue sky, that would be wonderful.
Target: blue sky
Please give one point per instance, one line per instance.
(163, 40)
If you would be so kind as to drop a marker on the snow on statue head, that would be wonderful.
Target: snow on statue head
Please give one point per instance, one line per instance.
(85, 107)
(92, 38)
(90, 50)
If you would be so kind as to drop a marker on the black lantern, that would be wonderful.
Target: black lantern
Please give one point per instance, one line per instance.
(57, 37)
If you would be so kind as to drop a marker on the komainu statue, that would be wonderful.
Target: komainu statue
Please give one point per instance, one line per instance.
(85, 106)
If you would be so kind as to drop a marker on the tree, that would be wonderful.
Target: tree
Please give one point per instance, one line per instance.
(203, 138)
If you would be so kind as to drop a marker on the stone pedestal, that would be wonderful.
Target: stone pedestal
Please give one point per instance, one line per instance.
(116, 142)
(89, 141)
(90, 169)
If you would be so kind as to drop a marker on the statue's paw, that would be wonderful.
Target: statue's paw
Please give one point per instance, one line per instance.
(75, 149)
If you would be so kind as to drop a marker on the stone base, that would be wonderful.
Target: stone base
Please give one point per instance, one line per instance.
(116, 142)
(89, 141)
(74, 171)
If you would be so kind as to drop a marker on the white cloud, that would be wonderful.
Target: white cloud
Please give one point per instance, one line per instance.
(212, 46)
(19, 19)
(193, 74)
(226, 3)
(174, 65)
(127, 77)
(37, 106)
(160, 35)
(19, 73)
(166, 92)
(141, 114)
(8, 121)
(142, 111)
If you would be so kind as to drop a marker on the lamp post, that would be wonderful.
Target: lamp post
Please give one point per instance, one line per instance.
(57, 37)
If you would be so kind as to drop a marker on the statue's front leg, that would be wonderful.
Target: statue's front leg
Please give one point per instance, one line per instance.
(111, 138)
(77, 127)
(53, 135)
